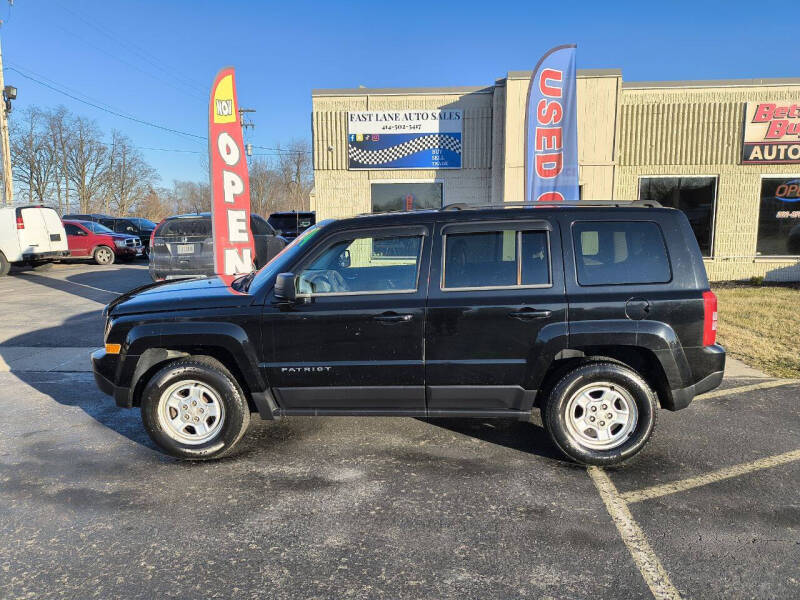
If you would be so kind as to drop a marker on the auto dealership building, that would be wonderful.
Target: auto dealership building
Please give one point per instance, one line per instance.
(727, 153)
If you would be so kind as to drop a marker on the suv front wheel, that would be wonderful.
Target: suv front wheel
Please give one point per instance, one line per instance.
(193, 408)
(600, 413)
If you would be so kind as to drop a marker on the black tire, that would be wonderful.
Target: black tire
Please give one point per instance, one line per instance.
(618, 377)
(103, 255)
(5, 266)
(212, 374)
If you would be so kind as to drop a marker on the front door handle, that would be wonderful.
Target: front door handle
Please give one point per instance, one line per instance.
(392, 317)
(529, 314)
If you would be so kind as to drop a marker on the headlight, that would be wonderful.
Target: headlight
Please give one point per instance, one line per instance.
(119, 243)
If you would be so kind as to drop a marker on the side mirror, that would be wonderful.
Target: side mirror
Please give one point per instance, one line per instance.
(285, 288)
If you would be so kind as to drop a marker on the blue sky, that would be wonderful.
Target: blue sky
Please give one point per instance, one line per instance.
(155, 60)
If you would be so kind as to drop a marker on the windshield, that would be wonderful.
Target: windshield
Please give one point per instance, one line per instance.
(287, 256)
(96, 227)
(143, 223)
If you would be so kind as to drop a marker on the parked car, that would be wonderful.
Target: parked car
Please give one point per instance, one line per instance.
(30, 235)
(291, 224)
(88, 239)
(136, 226)
(595, 314)
(182, 246)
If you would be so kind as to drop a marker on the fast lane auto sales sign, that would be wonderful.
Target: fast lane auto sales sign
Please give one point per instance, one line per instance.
(771, 133)
(230, 184)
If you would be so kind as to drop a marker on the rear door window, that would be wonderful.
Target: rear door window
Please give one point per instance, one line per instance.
(620, 252)
(496, 259)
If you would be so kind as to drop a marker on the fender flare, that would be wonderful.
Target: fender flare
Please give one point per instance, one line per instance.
(151, 344)
(659, 338)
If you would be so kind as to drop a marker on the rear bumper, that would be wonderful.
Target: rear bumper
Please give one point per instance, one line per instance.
(708, 365)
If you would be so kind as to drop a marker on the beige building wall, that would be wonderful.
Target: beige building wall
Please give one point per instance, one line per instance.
(493, 141)
(695, 128)
(626, 131)
(342, 193)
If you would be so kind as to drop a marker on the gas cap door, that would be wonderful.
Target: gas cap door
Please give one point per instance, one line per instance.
(637, 309)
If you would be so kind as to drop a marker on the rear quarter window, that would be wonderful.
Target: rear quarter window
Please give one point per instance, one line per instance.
(620, 252)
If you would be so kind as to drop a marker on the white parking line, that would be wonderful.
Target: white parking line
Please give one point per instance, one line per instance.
(632, 535)
(665, 489)
(747, 388)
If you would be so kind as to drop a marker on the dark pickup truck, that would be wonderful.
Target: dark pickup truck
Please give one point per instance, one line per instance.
(596, 314)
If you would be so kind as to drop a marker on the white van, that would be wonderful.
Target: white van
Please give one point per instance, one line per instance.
(30, 235)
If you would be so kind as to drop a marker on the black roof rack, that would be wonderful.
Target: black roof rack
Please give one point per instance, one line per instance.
(579, 203)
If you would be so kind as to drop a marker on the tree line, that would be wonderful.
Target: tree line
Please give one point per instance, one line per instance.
(66, 161)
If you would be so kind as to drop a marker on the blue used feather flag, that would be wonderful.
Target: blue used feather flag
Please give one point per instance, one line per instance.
(551, 129)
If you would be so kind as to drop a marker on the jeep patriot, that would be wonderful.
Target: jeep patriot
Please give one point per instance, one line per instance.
(597, 314)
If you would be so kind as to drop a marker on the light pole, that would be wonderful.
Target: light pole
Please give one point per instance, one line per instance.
(9, 94)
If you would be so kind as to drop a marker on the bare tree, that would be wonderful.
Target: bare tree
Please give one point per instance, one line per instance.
(129, 177)
(32, 155)
(284, 183)
(59, 122)
(190, 196)
(87, 163)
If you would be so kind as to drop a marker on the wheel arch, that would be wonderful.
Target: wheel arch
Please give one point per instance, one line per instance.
(226, 342)
(640, 359)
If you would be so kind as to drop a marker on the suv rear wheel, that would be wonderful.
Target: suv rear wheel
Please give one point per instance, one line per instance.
(600, 413)
(5, 266)
(193, 408)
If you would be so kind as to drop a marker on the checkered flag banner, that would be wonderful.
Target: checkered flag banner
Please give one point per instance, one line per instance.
(392, 153)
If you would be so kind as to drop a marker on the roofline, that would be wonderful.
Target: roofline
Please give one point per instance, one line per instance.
(413, 91)
(706, 83)
(580, 73)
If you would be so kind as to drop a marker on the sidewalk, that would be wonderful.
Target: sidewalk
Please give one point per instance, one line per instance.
(42, 360)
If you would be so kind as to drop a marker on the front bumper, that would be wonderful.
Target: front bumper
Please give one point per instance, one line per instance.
(104, 367)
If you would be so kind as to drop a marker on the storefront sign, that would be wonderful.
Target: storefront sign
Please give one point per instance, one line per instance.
(771, 133)
(230, 184)
(551, 140)
(406, 139)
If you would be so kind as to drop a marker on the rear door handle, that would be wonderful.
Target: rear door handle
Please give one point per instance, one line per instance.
(529, 314)
(392, 317)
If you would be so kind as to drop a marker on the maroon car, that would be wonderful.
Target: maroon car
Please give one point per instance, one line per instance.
(92, 240)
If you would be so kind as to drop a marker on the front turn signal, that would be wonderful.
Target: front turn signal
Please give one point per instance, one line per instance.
(113, 348)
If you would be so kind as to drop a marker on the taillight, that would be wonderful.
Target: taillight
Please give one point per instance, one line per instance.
(20, 223)
(710, 318)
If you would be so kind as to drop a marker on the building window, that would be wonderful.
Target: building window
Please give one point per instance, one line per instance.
(779, 218)
(695, 196)
(390, 197)
(616, 253)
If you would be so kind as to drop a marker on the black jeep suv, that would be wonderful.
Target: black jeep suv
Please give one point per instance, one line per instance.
(596, 314)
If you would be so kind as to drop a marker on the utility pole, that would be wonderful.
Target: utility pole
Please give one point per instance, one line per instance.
(8, 180)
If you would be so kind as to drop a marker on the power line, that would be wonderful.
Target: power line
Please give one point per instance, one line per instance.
(117, 113)
(113, 112)
(139, 52)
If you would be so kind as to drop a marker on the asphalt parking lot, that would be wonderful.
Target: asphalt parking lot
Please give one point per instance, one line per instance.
(371, 507)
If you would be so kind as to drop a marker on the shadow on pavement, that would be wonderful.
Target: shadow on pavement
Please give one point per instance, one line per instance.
(102, 286)
(516, 435)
